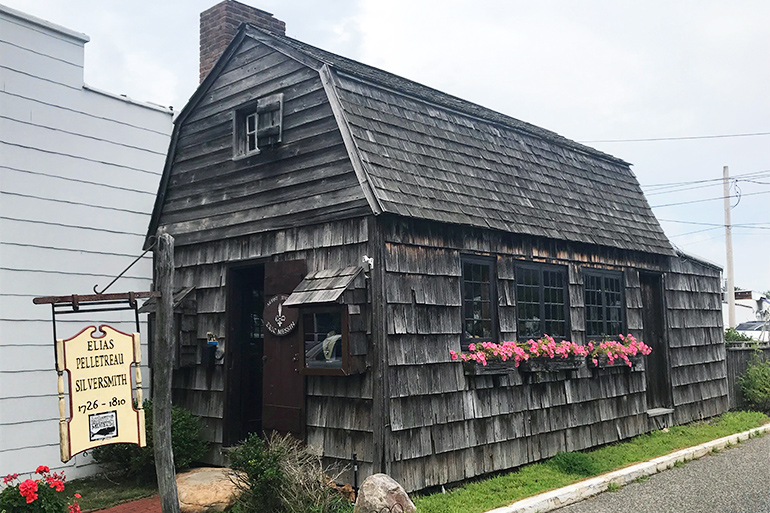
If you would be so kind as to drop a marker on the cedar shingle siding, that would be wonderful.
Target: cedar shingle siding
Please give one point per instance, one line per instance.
(374, 164)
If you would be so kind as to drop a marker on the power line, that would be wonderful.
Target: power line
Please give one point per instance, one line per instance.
(742, 225)
(753, 174)
(696, 231)
(680, 189)
(710, 199)
(716, 227)
(684, 138)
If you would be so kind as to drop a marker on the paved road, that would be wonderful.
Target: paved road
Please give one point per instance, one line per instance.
(736, 480)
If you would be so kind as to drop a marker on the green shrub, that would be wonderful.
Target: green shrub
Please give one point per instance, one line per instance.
(281, 475)
(732, 335)
(261, 477)
(132, 460)
(755, 384)
(576, 463)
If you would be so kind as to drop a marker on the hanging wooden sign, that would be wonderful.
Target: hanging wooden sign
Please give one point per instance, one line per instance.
(102, 412)
(278, 320)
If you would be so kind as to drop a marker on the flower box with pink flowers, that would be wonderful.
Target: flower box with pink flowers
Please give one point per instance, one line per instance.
(542, 355)
(626, 352)
(547, 355)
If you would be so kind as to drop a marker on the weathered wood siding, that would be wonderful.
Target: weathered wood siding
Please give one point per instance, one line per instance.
(338, 407)
(211, 195)
(696, 341)
(448, 427)
(739, 355)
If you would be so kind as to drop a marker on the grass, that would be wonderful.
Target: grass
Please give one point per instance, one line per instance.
(480, 496)
(99, 492)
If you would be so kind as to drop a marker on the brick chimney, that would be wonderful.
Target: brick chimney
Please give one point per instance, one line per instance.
(220, 23)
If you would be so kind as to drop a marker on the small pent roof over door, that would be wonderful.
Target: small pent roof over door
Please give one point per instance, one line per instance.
(324, 286)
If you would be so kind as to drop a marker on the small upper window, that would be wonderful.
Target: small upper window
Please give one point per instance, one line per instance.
(258, 125)
(541, 301)
(479, 300)
(603, 303)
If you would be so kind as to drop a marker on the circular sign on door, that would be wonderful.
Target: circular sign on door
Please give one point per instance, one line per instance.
(278, 320)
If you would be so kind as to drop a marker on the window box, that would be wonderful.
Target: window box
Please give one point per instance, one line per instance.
(492, 368)
(637, 363)
(540, 364)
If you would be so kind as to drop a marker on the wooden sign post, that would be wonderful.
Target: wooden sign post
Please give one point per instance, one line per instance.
(161, 375)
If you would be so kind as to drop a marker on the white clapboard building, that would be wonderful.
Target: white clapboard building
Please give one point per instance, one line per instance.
(79, 169)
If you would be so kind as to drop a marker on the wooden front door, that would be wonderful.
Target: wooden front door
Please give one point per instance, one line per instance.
(283, 399)
(653, 317)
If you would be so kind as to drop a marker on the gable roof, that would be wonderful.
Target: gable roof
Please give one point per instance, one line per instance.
(425, 154)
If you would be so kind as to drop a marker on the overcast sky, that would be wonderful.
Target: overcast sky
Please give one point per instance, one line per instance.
(589, 70)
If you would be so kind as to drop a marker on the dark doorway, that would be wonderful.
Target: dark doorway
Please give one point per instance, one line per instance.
(653, 317)
(245, 349)
(283, 407)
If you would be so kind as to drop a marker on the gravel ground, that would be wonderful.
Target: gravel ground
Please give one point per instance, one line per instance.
(736, 480)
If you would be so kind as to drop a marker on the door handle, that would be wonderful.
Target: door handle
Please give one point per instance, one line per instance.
(264, 358)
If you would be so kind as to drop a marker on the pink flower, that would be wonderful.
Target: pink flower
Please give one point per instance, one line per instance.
(472, 347)
(454, 355)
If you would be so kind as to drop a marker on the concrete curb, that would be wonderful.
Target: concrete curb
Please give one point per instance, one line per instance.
(577, 492)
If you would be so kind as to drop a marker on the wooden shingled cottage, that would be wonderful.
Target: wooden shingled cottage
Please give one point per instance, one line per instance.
(339, 229)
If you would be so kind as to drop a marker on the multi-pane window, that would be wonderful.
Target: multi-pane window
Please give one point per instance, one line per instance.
(603, 303)
(479, 300)
(258, 125)
(541, 299)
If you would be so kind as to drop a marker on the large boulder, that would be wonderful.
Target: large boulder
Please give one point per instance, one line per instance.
(380, 491)
(205, 490)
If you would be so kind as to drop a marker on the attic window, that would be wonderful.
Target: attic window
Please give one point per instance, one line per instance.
(258, 126)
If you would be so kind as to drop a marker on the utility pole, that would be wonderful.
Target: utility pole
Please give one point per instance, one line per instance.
(729, 270)
(161, 375)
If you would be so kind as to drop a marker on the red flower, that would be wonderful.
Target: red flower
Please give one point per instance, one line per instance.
(57, 484)
(77, 495)
(10, 477)
(28, 490)
(42, 469)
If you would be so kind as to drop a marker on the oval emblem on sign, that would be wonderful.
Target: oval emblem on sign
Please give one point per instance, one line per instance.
(278, 320)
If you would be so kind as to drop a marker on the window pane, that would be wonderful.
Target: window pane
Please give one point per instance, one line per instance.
(478, 301)
(323, 340)
(541, 290)
(604, 304)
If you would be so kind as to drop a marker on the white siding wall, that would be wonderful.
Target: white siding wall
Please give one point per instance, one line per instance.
(79, 170)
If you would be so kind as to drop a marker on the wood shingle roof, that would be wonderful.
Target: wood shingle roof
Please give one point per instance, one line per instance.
(431, 155)
(421, 153)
